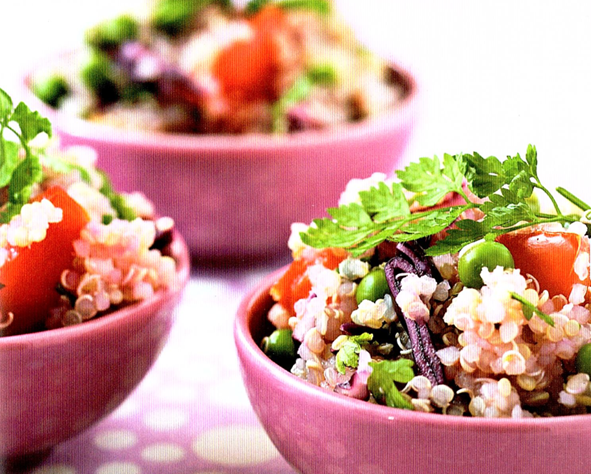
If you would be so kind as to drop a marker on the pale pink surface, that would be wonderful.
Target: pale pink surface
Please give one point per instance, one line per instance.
(236, 196)
(55, 384)
(319, 432)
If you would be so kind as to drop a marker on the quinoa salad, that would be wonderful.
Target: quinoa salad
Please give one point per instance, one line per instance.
(459, 287)
(71, 248)
(210, 67)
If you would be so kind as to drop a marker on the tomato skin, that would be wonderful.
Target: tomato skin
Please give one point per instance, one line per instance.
(31, 277)
(294, 284)
(247, 69)
(549, 257)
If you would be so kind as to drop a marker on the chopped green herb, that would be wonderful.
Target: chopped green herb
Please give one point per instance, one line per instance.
(300, 90)
(529, 309)
(348, 354)
(296, 93)
(18, 174)
(382, 382)
(117, 200)
(384, 213)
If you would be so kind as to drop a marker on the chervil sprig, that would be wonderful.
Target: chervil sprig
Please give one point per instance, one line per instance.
(499, 191)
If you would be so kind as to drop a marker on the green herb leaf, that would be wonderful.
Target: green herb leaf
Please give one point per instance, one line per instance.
(348, 354)
(504, 188)
(5, 105)
(63, 167)
(30, 123)
(529, 309)
(117, 200)
(429, 181)
(18, 174)
(383, 378)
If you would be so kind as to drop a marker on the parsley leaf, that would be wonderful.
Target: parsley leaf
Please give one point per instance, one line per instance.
(383, 378)
(18, 174)
(502, 189)
(348, 354)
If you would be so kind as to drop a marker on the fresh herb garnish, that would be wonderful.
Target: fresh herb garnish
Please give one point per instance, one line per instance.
(529, 309)
(16, 172)
(300, 90)
(21, 163)
(383, 378)
(348, 354)
(124, 211)
(502, 189)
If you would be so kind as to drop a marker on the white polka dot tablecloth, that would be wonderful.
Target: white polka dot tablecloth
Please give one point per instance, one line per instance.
(191, 414)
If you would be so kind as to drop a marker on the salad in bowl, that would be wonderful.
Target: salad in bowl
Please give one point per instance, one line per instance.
(89, 279)
(71, 248)
(211, 67)
(461, 288)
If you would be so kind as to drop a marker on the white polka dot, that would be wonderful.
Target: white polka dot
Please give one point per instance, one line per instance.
(236, 445)
(165, 419)
(229, 393)
(163, 452)
(55, 469)
(118, 468)
(114, 440)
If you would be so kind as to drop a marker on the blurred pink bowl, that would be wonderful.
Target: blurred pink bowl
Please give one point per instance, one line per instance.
(235, 197)
(56, 383)
(320, 432)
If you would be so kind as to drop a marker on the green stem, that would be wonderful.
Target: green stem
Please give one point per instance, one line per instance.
(573, 199)
(551, 197)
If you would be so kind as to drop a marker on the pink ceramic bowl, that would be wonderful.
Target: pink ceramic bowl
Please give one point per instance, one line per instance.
(56, 383)
(235, 197)
(319, 432)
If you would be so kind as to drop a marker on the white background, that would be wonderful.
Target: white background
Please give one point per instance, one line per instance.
(494, 75)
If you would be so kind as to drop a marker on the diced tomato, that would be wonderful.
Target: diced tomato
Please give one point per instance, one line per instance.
(31, 277)
(247, 69)
(550, 258)
(294, 284)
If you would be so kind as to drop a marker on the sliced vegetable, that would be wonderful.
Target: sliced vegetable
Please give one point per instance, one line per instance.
(31, 277)
(294, 284)
(247, 69)
(557, 260)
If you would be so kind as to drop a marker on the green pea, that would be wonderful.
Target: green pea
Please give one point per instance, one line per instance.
(482, 254)
(583, 360)
(112, 33)
(372, 286)
(280, 347)
(98, 74)
(51, 89)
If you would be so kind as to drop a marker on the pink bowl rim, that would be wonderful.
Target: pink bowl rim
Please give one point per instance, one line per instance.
(168, 142)
(251, 354)
(124, 315)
